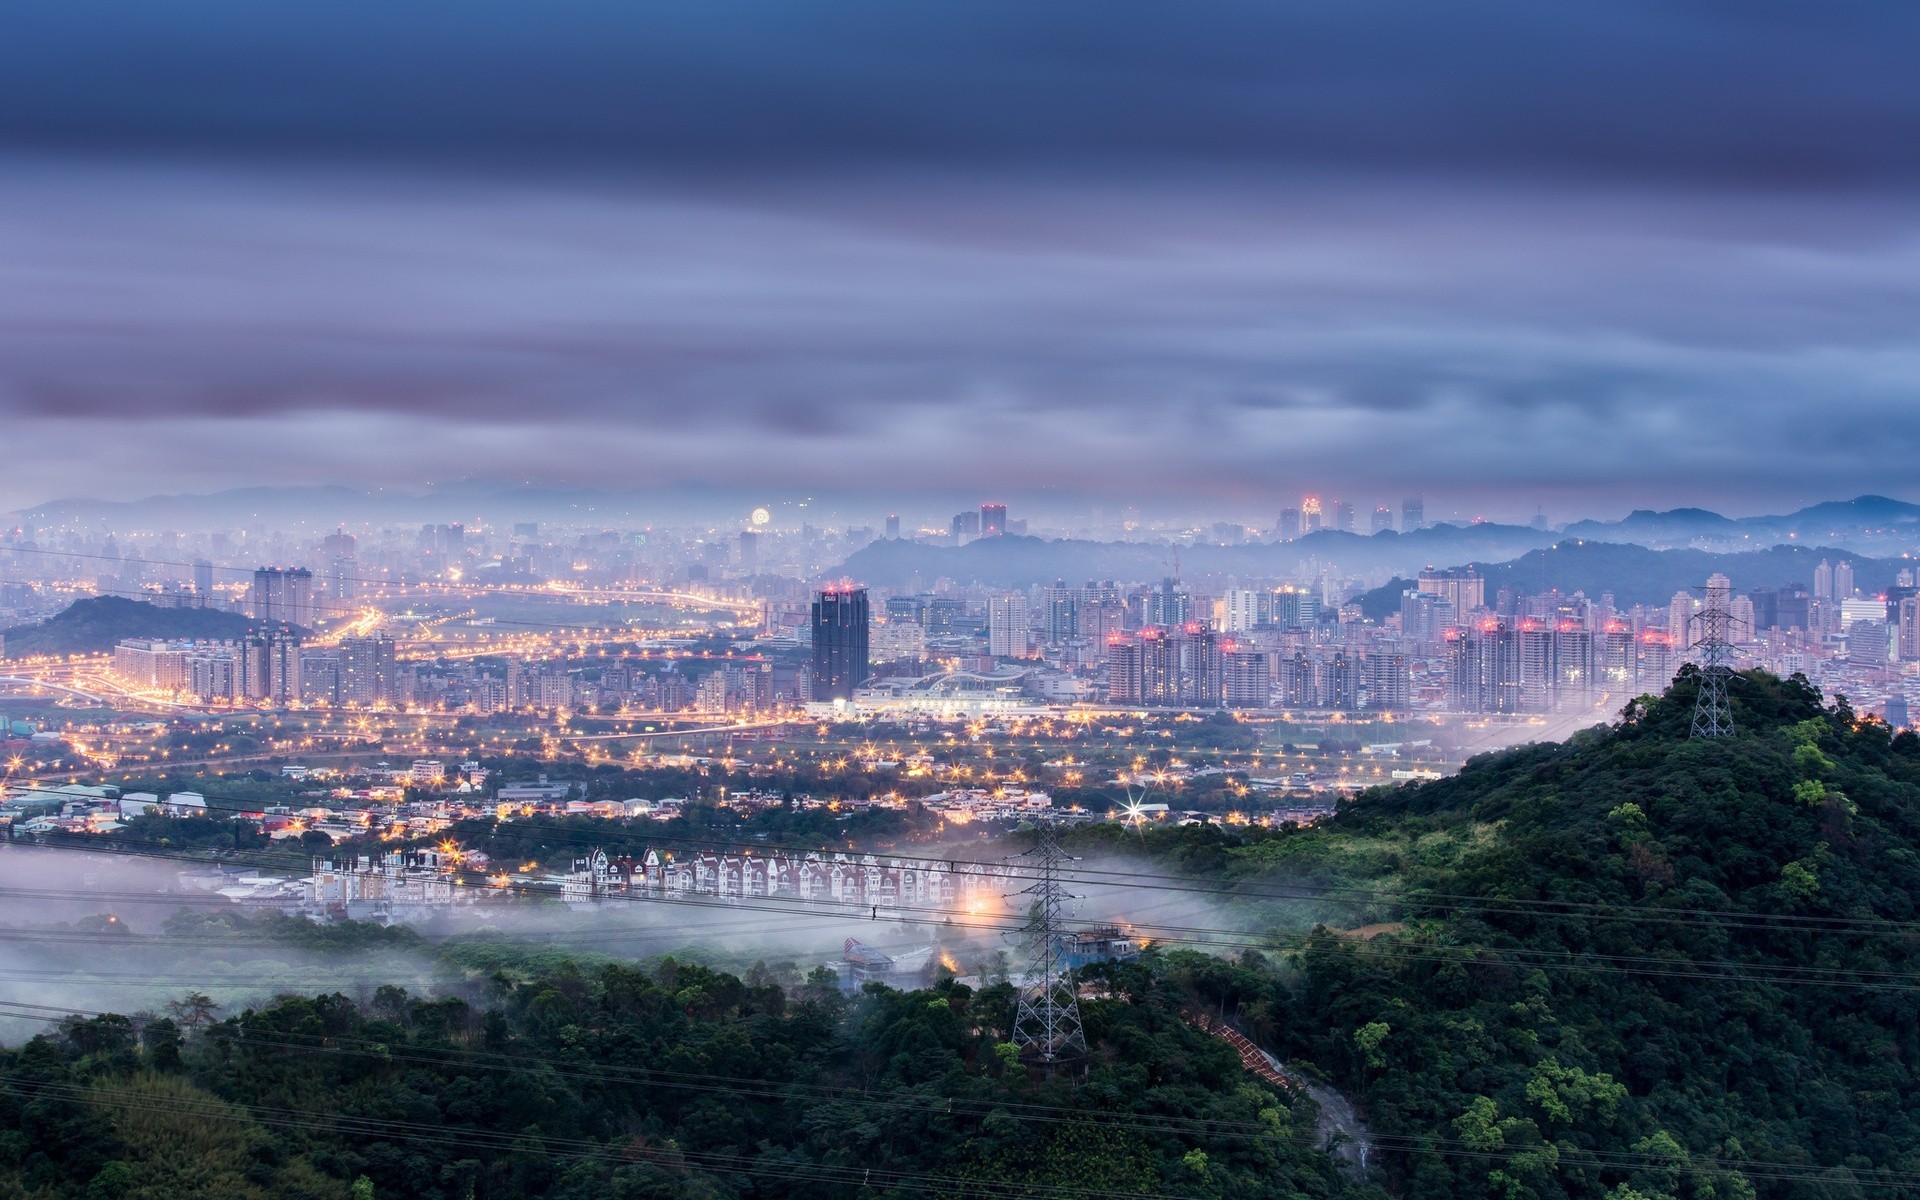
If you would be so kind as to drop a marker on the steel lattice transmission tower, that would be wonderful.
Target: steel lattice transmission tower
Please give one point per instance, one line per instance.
(1712, 714)
(1048, 1016)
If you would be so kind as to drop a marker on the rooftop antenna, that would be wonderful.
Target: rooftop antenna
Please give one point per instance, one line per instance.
(1047, 1017)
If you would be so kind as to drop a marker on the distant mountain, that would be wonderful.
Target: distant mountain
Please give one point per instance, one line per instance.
(93, 626)
(1025, 561)
(1647, 527)
(1379, 603)
(1637, 575)
(1858, 524)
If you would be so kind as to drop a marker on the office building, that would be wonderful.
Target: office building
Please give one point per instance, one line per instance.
(1413, 514)
(1310, 514)
(993, 520)
(1288, 527)
(840, 636)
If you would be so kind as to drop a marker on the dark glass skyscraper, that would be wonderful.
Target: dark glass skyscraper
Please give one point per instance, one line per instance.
(839, 643)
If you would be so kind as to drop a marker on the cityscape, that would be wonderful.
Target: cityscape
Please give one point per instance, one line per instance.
(626, 623)
(871, 602)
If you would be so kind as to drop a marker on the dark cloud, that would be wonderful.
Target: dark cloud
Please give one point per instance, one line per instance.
(1761, 91)
(1209, 252)
(1200, 343)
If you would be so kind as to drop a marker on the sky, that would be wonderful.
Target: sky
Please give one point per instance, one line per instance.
(1203, 256)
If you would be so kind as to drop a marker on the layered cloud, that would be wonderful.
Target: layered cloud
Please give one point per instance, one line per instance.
(1199, 256)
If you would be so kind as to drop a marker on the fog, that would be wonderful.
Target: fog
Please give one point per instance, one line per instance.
(84, 931)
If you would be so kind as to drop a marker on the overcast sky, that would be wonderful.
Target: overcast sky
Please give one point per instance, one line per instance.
(1594, 255)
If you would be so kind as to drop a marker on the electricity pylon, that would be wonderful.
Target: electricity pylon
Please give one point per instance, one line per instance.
(1712, 714)
(1048, 1016)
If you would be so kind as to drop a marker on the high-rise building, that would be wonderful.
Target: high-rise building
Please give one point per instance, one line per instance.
(1295, 608)
(1166, 668)
(1615, 661)
(1823, 581)
(1298, 687)
(1843, 588)
(1310, 514)
(1660, 658)
(1126, 683)
(893, 527)
(1909, 624)
(1169, 605)
(1483, 669)
(1059, 613)
(1680, 612)
(1246, 677)
(749, 552)
(1337, 678)
(203, 577)
(1007, 626)
(993, 520)
(965, 525)
(839, 643)
(269, 666)
(1389, 681)
(1382, 519)
(369, 674)
(321, 676)
(1200, 666)
(1792, 608)
(1868, 644)
(1343, 519)
(282, 596)
(1288, 527)
(1461, 587)
(1425, 617)
(1245, 608)
(1413, 514)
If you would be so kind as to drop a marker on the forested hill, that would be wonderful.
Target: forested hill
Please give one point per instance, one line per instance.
(94, 625)
(1633, 965)
(606, 1081)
